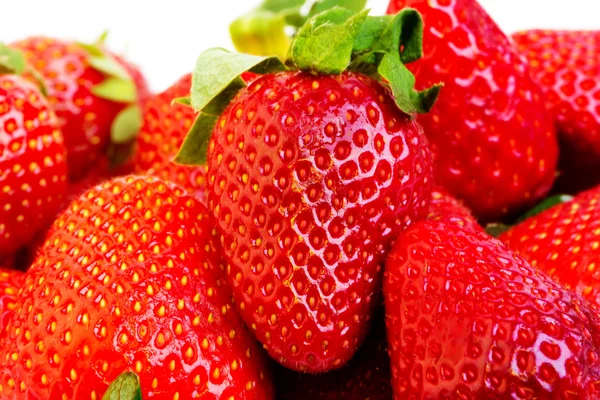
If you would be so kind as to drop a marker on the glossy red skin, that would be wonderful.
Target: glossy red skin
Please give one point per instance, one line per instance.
(493, 141)
(445, 207)
(32, 164)
(309, 191)
(10, 282)
(565, 64)
(366, 376)
(85, 119)
(136, 257)
(467, 318)
(166, 125)
(563, 241)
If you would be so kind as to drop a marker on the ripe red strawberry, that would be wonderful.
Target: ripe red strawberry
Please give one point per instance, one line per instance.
(445, 207)
(366, 376)
(311, 179)
(565, 64)
(129, 279)
(491, 136)
(313, 170)
(71, 80)
(563, 241)
(10, 282)
(32, 163)
(467, 318)
(165, 126)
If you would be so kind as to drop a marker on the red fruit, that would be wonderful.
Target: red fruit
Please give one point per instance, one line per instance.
(85, 118)
(491, 136)
(10, 283)
(563, 241)
(445, 207)
(129, 279)
(366, 376)
(32, 163)
(165, 126)
(467, 318)
(311, 179)
(565, 64)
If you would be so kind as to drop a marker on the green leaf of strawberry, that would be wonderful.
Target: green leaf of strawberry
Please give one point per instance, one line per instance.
(125, 387)
(324, 5)
(117, 90)
(11, 60)
(545, 204)
(126, 125)
(324, 44)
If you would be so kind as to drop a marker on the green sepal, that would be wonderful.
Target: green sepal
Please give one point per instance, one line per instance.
(324, 5)
(117, 90)
(126, 125)
(215, 82)
(12, 61)
(125, 387)
(496, 229)
(324, 44)
(186, 101)
(217, 70)
(545, 204)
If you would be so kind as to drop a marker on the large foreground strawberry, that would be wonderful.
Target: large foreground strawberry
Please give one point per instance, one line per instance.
(33, 165)
(493, 140)
(313, 171)
(565, 64)
(468, 318)
(564, 241)
(129, 279)
(165, 126)
(95, 95)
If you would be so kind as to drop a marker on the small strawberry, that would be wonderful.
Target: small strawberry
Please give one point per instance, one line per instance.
(445, 207)
(563, 241)
(312, 173)
(129, 279)
(10, 283)
(94, 96)
(165, 126)
(366, 376)
(492, 139)
(32, 160)
(565, 64)
(469, 319)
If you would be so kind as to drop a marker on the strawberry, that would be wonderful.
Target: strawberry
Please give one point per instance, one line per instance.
(311, 175)
(467, 318)
(565, 64)
(445, 207)
(129, 279)
(10, 283)
(88, 88)
(32, 162)
(164, 128)
(493, 141)
(563, 241)
(366, 376)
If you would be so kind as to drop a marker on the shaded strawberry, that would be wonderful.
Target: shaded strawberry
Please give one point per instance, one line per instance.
(565, 64)
(366, 376)
(165, 126)
(491, 136)
(468, 318)
(129, 279)
(563, 241)
(10, 283)
(446, 208)
(88, 89)
(32, 163)
(313, 171)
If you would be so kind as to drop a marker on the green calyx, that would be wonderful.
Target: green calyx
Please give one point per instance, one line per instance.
(329, 43)
(125, 387)
(119, 87)
(12, 61)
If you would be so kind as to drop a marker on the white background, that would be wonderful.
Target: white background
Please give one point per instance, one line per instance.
(165, 37)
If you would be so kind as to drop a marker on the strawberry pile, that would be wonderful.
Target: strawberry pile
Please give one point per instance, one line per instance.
(352, 207)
